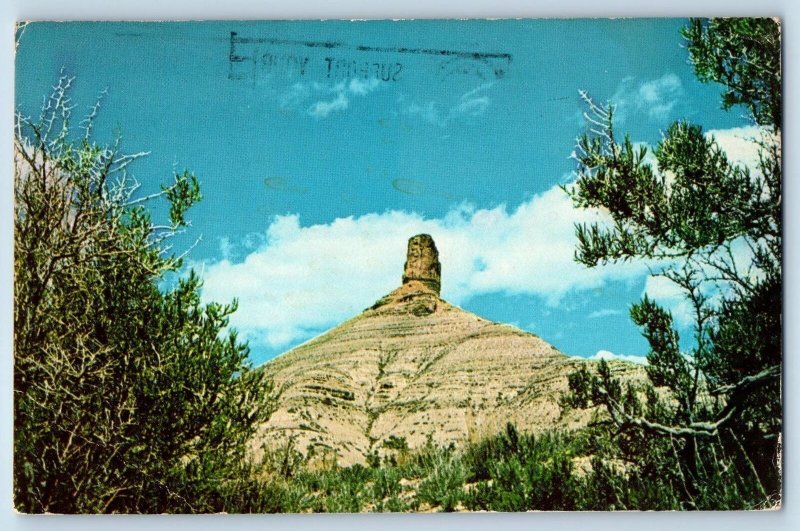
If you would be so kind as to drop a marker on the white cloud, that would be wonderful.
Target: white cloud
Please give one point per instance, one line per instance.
(294, 281)
(472, 103)
(322, 109)
(295, 95)
(605, 312)
(301, 280)
(659, 96)
(225, 247)
(656, 97)
(740, 143)
(358, 87)
(606, 355)
(428, 112)
(342, 92)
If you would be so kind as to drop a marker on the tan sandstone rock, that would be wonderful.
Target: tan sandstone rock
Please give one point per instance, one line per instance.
(416, 367)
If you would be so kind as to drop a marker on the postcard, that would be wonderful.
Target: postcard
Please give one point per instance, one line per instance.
(398, 266)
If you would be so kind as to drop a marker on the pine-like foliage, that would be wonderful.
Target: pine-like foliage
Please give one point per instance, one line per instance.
(708, 425)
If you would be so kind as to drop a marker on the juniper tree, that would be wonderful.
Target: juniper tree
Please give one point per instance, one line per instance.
(127, 397)
(713, 228)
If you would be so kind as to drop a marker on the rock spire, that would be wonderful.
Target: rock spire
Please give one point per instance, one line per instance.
(422, 280)
(422, 263)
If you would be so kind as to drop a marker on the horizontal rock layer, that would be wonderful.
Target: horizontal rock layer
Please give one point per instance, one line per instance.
(415, 367)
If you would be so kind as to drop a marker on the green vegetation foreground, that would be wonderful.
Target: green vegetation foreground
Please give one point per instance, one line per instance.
(511, 471)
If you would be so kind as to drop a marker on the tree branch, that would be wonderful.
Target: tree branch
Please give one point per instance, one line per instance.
(737, 393)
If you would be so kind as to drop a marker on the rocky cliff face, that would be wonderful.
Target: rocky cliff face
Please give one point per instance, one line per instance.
(415, 367)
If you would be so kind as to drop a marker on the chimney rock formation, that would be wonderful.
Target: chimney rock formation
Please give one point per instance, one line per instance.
(422, 262)
(422, 278)
(415, 367)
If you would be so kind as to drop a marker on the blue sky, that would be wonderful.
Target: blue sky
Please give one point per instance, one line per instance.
(322, 146)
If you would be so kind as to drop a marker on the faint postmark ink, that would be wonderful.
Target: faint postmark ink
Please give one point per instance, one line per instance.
(253, 57)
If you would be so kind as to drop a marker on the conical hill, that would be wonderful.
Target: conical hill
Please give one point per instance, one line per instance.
(412, 368)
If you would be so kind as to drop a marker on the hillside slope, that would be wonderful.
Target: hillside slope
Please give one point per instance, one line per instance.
(415, 367)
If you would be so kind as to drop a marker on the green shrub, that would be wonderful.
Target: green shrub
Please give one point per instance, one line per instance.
(394, 442)
(443, 481)
(128, 396)
(386, 483)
